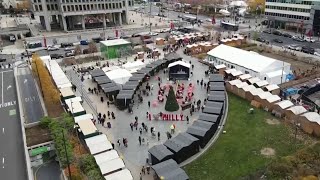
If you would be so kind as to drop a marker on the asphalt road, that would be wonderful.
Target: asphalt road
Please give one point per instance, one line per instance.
(13, 165)
(32, 108)
(48, 171)
(286, 41)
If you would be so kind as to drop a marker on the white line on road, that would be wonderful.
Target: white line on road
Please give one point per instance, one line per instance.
(2, 85)
(3, 130)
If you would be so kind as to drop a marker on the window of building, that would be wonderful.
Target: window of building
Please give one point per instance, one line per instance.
(39, 1)
(110, 6)
(68, 7)
(36, 8)
(77, 8)
(129, 3)
(120, 5)
(64, 8)
(99, 6)
(102, 6)
(52, 7)
(40, 7)
(88, 7)
(116, 5)
(35, 1)
(113, 6)
(91, 6)
(246, 72)
(80, 7)
(84, 7)
(48, 7)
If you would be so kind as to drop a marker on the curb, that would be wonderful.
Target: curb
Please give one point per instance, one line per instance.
(27, 158)
(214, 138)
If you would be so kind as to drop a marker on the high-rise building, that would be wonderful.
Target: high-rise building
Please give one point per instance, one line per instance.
(302, 15)
(81, 14)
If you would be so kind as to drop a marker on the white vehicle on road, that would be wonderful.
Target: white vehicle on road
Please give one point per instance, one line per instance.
(153, 33)
(295, 47)
(69, 48)
(309, 39)
(53, 48)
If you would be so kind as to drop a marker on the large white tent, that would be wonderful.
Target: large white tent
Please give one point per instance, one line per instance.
(83, 117)
(124, 174)
(110, 166)
(98, 144)
(133, 65)
(119, 76)
(106, 156)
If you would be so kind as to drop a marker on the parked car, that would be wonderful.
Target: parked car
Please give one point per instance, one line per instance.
(268, 31)
(69, 48)
(124, 37)
(136, 35)
(64, 45)
(56, 56)
(26, 54)
(287, 35)
(153, 33)
(112, 38)
(317, 53)
(12, 38)
(308, 50)
(309, 39)
(296, 38)
(278, 33)
(97, 39)
(277, 41)
(84, 42)
(3, 60)
(260, 39)
(295, 47)
(69, 53)
(52, 48)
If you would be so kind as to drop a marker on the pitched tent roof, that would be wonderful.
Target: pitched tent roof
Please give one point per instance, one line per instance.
(245, 76)
(312, 117)
(98, 144)
(87, 127)
(203, 124)
(216, 78)
(83, 117)
(177, 174)
(196, 130)
(160, 151)
(261, 83)
(284, 104)
(220, 66)
(111, 89)
(172, 56)
(212, 110)
(123, 174)
(137, 77)
(244, 58)
(165, 166)
(234, 82)
(253, 80)
(216, 93)
(145, 70)
(248, 88)
(180, 141)
(182, 63)
(271, 87)
(297, 110)
(243, 84)
(216, 98)
(109, 85)
(208, 117)
(97, 72)
(214, 104)
(102, 79)
(111, 165)
(214, 87)
(106, 156)
(273, 98)
(264, 95)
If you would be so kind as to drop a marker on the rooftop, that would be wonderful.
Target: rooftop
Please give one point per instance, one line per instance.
(243, 58)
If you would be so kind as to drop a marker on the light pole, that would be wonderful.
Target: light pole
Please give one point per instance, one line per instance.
(67, 158)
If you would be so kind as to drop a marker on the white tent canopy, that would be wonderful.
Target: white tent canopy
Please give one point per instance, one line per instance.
(74, 107)
(98, 144)
(124, 174)
(83, 117)
(284, 104)
(182, 63)
(110, 166)
(245, 76)
(297, 110)
(133, 65)
(119, 76)
(312, 117)
(106, 156)
(87, 127)
(235, 82)
(273, 98)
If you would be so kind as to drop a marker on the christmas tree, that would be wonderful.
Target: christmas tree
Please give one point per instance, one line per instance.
(171, 104)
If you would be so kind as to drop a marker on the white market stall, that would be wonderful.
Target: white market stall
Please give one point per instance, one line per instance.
(88, 129)
(111, 166)
(98, 144)
(119, 76)
(124, 174)
(83, 117)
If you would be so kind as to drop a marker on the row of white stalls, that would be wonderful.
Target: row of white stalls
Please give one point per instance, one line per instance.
(111, 165)
(265, 95)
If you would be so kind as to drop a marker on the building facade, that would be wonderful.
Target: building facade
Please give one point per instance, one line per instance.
(72, 15)
(302, 15)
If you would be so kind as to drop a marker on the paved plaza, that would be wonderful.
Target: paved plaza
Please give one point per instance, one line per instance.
(135, 155)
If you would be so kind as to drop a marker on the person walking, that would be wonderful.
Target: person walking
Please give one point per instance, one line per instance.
(149, 104)
(140, 140)
(101, 99)
(108, 103)
(143, 170)
(102, 121)
(112, 145)
(124, 141)
(131, 126)
(112, 115)
(187, 119)
(158, 136)
(140, 130)
(119, 142)
(108, 113)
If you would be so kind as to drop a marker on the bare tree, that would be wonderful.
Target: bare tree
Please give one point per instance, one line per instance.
(92, 47)
(77, 50)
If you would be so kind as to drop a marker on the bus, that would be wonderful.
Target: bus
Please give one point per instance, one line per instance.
(229, 26)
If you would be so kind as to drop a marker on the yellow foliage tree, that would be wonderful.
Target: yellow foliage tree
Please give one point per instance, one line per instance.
(49, 91)
(256, 5)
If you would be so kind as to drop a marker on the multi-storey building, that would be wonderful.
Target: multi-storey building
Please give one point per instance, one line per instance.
(81, 14)
(299, 14)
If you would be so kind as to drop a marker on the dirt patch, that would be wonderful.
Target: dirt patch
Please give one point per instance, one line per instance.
(273, 121)
(37, 135)
(268, 152)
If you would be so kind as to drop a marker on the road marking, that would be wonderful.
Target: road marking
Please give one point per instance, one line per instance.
(8, 87)
(12, 112)
(3, 130)
(2, 85)
(6, 71)
(25, 81)
(3, 163)
(7, 104)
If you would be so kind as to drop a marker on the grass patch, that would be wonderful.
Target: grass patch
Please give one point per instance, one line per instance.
(237, 153)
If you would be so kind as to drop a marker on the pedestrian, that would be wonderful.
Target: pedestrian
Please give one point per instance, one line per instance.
(148, 169)
(147, 141)
(112, 115)
(140, 129)
(108, 103)
(101, 99)
(99, 115)
(112, 145)
(102, 121)
(158, 136)
(104, 116)
(136, 118)
(191, 111)
(131, 126)
(140, 140)
(147, 114)
(143, 170)
(149, 104)
(119, 142)
(187, 119)
(198, 82)
(140, 176)
(202, 108)
(142, 124)
(108, 113)
(124, 141)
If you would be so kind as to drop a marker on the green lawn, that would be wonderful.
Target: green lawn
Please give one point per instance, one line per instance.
(237, 153)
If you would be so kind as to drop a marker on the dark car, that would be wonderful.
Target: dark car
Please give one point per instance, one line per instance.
(64, 45)
(307, 49)
(267, 31)
(112, 38)
(278, 33)
(136, 35)
(277, 41)
(124, 37)
(260, 39)
(56, 56)
(96, 40)
(3, 60)
(287, 35)
(297, 38)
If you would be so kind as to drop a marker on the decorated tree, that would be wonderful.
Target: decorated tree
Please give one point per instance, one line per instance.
(171, 104)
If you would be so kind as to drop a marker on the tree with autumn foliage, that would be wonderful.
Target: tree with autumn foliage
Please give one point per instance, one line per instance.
(257, 6)
(92, 47)
(77, 50)
(49, 92)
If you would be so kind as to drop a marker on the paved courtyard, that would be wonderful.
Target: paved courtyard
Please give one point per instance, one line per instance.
(135, 155)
